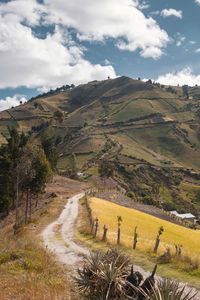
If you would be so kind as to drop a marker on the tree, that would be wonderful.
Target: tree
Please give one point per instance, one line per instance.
(42, 173)
(72, 166)
(105, 169)
(50, 150)
(58, 116)
(5, 183)
(185, 91)
(9, 154)
(32, 172)
(58, 140)
(24, 169)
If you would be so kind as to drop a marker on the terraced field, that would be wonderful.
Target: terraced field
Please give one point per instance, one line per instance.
(149, 133)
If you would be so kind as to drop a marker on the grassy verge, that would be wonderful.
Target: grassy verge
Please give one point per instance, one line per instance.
(144, 259)
(27, 269)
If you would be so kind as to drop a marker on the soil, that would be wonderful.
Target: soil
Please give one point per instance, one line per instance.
(59, 236)
(121, 199)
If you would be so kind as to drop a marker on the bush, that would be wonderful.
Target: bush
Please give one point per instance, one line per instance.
(104, 276)
(168, 289)
(130, 194)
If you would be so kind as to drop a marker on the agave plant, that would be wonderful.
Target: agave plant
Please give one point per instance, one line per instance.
(170, 290)
(104, 276)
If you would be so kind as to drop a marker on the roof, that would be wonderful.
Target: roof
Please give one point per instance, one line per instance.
(183, 216)
(187, 216)
(174, 212)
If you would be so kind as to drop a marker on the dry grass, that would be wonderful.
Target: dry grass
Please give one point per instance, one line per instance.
(28, 270)
(147, 227)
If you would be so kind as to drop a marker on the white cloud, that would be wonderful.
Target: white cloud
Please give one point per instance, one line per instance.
(182, 77)
(120, 20)
(29, 11)
(107, 62)
(179, 39)
(197, 50)
(197, 1)
(157, 12)
(143, 5)
(171, 12)
(26, 60)
(178, 44)
(11, 101)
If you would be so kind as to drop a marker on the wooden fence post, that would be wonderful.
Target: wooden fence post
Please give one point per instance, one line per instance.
(96, 226)
(160, 231)
(119, 219)
(135, 238)
(105, 229)
(92, 227)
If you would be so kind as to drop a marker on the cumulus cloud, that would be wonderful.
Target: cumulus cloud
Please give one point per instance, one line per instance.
(197, 1)
(197, 50)
(182, 77)
(29, 12)
(171, 12)
(120, 20)
(11, 101)
(27, 60)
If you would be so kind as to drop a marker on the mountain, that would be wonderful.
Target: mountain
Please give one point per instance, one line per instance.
(150, 131)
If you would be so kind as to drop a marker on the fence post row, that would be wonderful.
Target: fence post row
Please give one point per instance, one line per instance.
(94, 226)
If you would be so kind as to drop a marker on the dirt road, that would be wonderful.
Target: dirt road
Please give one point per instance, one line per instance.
(58, 236)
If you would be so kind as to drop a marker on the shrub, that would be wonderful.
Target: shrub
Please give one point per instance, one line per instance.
(167, 289)
(130, 194)
(104, 276)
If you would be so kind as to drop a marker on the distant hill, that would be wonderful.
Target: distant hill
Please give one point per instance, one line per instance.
(131, 123)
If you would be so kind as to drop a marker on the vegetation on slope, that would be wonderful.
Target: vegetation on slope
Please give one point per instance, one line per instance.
(142, 128)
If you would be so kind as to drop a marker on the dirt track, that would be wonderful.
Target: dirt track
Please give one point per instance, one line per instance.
(58, 236)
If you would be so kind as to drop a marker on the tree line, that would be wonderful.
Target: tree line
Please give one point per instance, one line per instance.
(25, 168)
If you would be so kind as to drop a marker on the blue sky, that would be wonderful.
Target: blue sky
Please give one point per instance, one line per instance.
(48, 43)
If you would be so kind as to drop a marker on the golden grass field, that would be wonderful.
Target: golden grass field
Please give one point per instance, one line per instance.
(147, 228)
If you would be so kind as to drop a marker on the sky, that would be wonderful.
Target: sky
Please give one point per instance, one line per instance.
(45, 44)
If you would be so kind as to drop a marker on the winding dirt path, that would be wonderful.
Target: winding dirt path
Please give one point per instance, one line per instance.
(59, 235)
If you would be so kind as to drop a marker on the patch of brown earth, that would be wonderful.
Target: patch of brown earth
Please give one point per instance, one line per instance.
(121, 199)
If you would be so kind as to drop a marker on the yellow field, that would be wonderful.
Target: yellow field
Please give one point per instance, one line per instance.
(147, 225)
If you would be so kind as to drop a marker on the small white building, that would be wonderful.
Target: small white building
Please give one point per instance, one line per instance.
(188, 216)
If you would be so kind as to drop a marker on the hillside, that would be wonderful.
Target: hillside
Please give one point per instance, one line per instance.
(149, 132)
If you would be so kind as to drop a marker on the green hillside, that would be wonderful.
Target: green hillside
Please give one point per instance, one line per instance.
(149, 132)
